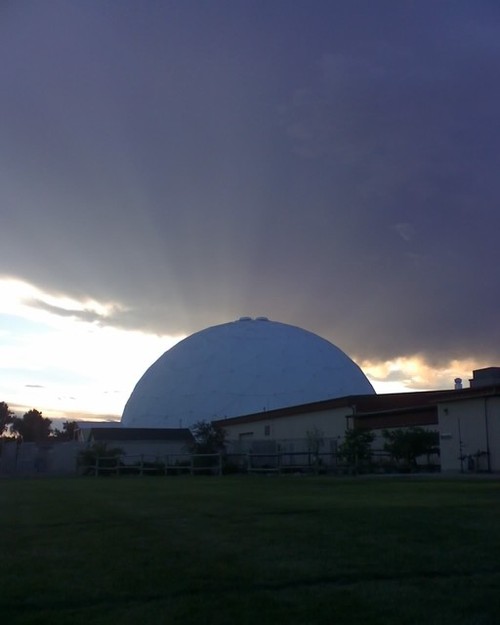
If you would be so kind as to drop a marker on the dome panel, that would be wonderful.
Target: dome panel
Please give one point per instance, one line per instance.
(240, 368)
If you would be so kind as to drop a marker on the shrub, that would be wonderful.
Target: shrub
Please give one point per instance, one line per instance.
(107, 458)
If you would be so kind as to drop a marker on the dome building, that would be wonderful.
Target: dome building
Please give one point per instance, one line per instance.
(240, 368)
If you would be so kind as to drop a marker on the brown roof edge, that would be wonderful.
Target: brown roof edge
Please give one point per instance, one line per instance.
(359, 403)
(317, 406)
(392, 411)
(426, 415)
(142, 434)
(472, 393)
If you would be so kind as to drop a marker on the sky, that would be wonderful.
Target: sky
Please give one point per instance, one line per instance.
(166, 166)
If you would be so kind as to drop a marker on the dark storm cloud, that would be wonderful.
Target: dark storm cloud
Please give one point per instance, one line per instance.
(192, 162)
(88, 316)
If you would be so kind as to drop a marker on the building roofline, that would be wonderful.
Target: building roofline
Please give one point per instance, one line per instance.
(141, 434)
(359, 404)
(393, 411)
(476, 392)
(317, 406)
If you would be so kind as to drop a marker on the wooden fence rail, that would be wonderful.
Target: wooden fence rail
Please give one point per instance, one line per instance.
(173, 464)
(213, 464)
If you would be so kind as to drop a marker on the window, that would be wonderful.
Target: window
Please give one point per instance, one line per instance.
(267, 430)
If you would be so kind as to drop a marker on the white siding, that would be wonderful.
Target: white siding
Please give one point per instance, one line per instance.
(332, 423)
(467, 427)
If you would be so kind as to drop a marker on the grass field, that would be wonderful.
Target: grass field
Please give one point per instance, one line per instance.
(250, 550)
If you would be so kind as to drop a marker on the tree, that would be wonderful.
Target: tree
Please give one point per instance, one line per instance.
(356, 448)
(408, 444)
(68, 432)
(208, 438)
(6, 416)
(32, 426)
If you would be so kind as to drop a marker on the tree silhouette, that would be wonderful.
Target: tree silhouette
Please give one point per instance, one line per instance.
(209, 439)
(356, 448)
(408, 444)
(32, 426)
(68, 432)
(6, 416)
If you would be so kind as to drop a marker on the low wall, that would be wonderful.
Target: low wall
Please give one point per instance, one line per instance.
(48, 458)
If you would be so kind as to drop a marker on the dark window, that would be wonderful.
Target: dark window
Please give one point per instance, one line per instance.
(267, 430)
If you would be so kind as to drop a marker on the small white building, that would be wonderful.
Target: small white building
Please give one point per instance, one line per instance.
(148, 444)
(469, 425)
(84, 428)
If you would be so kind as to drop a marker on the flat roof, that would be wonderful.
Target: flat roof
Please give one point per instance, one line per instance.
(358, 404)
(142, 434)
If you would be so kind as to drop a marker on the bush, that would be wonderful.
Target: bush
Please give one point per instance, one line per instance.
(108, 459)
(355, 451)
(406, 445)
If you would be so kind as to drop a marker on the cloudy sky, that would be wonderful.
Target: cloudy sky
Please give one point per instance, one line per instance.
(170, 165)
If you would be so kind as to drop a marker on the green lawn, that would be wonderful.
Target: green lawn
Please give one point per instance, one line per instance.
(250, 550)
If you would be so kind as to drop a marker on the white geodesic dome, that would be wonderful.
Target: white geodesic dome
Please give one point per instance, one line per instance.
(240, 368)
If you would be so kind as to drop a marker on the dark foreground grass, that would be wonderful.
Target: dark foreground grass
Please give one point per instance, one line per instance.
(244, 550)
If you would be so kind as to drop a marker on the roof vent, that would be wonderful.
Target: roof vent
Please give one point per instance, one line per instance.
(245, 319)
(458, 384)
(261, 319)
